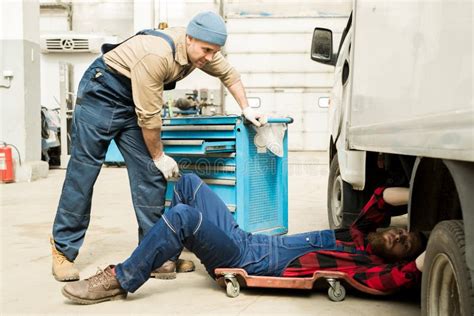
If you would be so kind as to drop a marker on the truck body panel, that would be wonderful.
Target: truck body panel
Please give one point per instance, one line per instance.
(412, 79)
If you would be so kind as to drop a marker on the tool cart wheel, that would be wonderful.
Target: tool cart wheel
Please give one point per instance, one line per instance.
(232, 286)
(337, 293)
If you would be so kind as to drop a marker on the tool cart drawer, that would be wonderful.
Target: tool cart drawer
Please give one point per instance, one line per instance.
(197, 131)
(197, 146)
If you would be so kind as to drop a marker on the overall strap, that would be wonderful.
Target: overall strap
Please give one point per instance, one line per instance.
(108, 47)
(164, 36)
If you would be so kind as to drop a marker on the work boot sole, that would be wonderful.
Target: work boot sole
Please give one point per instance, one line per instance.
(89, 302)
(66, 279)
(163, 275)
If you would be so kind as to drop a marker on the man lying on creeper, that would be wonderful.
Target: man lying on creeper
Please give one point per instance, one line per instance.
(200, 221)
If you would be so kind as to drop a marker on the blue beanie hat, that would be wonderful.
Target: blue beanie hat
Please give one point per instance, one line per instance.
(208, 27)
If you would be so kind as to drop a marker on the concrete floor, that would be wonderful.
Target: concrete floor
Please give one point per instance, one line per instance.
(27, 286)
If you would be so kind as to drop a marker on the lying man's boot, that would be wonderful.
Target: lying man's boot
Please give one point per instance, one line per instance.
(168, 270)
(184, 266)
(101, 287)
(63, 269)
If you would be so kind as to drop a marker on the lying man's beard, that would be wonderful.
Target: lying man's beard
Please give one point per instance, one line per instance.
(377, 242)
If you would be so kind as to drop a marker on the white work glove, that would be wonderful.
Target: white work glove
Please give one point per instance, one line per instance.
(419, 261)
(257, 119)
(168, 166)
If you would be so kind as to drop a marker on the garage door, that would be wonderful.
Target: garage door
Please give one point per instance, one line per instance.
(273, 56)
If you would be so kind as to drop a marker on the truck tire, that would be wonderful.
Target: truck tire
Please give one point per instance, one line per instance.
(446, 282)
(343, 201)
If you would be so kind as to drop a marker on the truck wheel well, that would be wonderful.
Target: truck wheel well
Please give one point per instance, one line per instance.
(390, 170)
(434, 196)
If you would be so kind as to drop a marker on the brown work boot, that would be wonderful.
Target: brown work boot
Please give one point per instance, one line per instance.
(185, 266)
(63, 269)
(101, 287)
(168, 270)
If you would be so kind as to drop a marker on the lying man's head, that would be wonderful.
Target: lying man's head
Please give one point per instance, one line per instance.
(397, 244)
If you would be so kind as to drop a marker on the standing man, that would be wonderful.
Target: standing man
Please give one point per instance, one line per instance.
(120, 97)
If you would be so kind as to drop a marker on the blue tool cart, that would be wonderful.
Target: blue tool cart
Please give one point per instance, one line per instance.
(220, 149)
(113, 155)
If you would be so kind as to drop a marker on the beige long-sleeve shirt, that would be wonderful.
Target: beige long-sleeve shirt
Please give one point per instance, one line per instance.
(149, 63)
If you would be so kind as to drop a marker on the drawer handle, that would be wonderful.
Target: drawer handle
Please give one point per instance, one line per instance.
(219, 147)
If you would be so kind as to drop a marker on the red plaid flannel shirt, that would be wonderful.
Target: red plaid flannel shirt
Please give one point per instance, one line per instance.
(362, 266)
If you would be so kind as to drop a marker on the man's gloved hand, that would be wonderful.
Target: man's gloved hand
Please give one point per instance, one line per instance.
(420, 261)
(168, 166)
(257, 119)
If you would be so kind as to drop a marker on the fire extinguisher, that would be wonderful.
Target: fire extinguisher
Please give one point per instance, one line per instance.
(6, 163)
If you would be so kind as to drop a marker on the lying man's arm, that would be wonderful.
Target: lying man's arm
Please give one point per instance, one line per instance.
(378, 208)
(390, 277)
(396, 196)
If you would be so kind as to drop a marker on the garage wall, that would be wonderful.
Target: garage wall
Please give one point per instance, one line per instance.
(19, 103)
(272, 53)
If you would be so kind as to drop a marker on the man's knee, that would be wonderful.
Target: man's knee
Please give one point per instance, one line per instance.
(186, 187)
(182, 219)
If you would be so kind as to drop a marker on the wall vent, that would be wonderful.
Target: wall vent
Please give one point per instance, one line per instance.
(71, 43)
(67, 44)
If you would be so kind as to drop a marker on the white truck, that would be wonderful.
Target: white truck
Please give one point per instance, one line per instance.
(402, 114)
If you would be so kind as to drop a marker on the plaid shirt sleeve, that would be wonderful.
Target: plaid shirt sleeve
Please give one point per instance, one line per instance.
(373, 214)
(389, 277)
